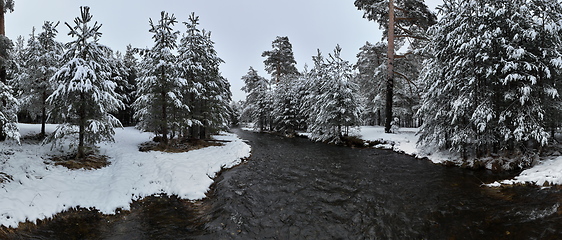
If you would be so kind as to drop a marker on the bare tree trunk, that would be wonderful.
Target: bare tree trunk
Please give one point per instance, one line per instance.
(278, 74)
(82, 127)
(43, 114)
(3, 74)
(390, 67)
(2, 21)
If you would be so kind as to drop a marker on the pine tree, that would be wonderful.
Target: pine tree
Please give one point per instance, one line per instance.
(335, 106)
(120, 74)
(217, 96)
(208, 91)
(400, 19)
(160, 104)
(257, 108)
(41, 60)
(492, 77)
(129, 88)
(85, 96)
(5, 6)
(286, 105)
(8, 110)
(280, 61)
(8, 104)
(371, 79)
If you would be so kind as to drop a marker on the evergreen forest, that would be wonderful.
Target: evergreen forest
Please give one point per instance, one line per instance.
(480, 79)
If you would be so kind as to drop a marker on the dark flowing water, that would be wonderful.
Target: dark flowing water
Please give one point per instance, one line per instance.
(296, 189)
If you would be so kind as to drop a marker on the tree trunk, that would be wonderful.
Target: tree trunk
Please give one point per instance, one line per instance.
(164, 122)
(2, 19)
(82, 127)
(3, 73)
(390, 67)
(164, 119)
(278, 74)
(43, 114)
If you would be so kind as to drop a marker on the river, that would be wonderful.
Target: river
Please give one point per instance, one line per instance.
(292, 188)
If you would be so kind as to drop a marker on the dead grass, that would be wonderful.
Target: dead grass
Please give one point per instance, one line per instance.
(89, 223)
(33, 138)
(90, 162)
(178, 146)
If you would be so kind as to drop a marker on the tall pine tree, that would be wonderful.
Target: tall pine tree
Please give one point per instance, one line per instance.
(208, 91)
(280, 61)
(401, 19)
(8, 103)
(85, 93)
(41, 60)
(160, 101)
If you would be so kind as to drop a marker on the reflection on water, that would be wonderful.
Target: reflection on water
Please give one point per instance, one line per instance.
(296, 189)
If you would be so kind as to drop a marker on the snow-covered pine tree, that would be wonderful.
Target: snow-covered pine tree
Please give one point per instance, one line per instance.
(18, 53)
(160, 104)
(217, 96)
(494, 73)
(257, 109)
(129, 89)
(119, 74)
(335, 106)
(192, 68)
(311, 81)
(208, 91)
(370, 78)
(280, 61)
(286, 105)
(8, 103)
(41, 60)
(84, 96)
(400, 19)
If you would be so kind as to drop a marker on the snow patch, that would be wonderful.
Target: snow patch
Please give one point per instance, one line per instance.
(39, 191)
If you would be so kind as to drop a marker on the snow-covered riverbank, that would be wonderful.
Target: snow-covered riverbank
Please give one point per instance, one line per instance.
(37, 190)
(546, 171)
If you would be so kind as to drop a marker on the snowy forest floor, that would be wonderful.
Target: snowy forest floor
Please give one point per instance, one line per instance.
(546, 170)
(32, 188)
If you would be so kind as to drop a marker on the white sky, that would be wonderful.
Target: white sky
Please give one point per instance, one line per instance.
(241, 29)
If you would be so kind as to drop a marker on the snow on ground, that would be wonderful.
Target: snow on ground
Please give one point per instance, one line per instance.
(405, 141)
(38, 190)
(546, 172)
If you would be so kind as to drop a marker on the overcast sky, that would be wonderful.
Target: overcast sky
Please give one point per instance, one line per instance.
(241, 29)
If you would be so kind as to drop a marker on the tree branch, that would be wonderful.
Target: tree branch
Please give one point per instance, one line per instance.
(412, 36)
